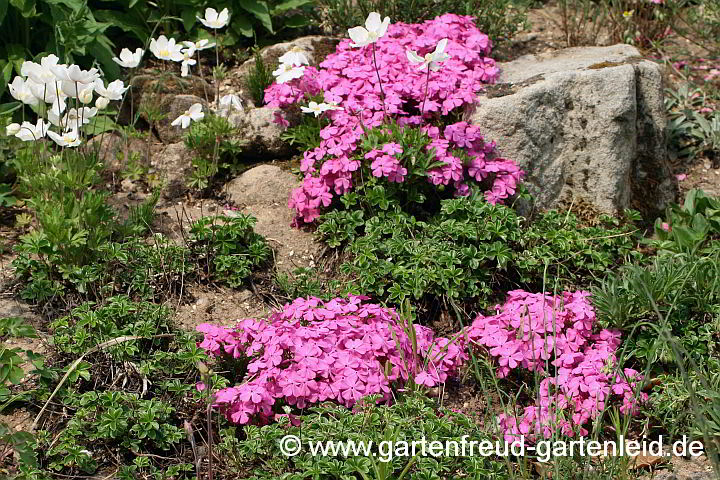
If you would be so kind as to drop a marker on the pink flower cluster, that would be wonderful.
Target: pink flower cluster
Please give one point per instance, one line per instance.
(312, 351)
(385, 163)
(537, 331)
(349, 78)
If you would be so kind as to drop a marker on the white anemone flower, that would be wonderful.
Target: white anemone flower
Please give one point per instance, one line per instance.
(215, 20)
(128, 59)
(75, 74)
(295, 56)
(430, 60)
(29, 132)
(229, 102)
(286, 72)
(74, 118)
(20, 90)
(12, 129)
(194, 113)
(203, 44)
(166, 49)
(373, 30)
(40, 73)
(48, 92)
(114, 90)
(187, 61)
(319, 108)
(69, 138)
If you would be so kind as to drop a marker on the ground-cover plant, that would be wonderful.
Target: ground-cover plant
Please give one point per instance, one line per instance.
(577, 369)
(694, 125)
(227, 248)
(215, 144)
(127, 391)
(12, 373)
(373, 80)
(469, 250)
(256, 454)
(313, 351)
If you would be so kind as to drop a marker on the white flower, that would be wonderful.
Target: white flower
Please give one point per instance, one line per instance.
(73, 119)
(199, 45)
(47, 92)
(114, 90)
(12, 129)
(187, 61)
(215, 20)
(42, 73)
(287, 72)
(74, 74)
(430, 60)
(29, 132)
(227, 102)
(231, 100)
(194, 113)
(373, 30)
(20, 90)
(69, 138)
(319, 108)
(165, 49)
(101, 103)
(295, 56)
(129, 59)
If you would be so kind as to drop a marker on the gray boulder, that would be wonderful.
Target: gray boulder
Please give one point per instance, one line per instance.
(586, 124)
(260, 133)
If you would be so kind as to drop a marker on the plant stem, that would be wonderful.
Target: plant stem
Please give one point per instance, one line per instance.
(377, 72)
(427, 82)
(202, 75)
(217, 65)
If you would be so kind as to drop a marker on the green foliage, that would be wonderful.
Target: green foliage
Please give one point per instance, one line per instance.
(304, 282)
(690, 132)
(214, 142)
(256, 454)
(227, 248)
(259, 78)
(470, 249)
(11, 372)
(689, 227)
(686, 405)
(123, 398)
(500, 19)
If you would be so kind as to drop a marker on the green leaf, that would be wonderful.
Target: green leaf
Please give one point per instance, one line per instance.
(289, 5)
(26, 7)
(131, 22)
(296, 21)
(260, 10)
(3, 10)
(241, 25)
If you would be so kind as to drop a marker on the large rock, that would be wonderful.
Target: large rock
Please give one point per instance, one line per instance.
(261, 134)
(586, 124)
(263, 192)
(171, 167)
(172, 106)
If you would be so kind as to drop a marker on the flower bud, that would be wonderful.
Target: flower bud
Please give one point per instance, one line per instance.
(12, 129)
(101, 103)
(85, 95)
